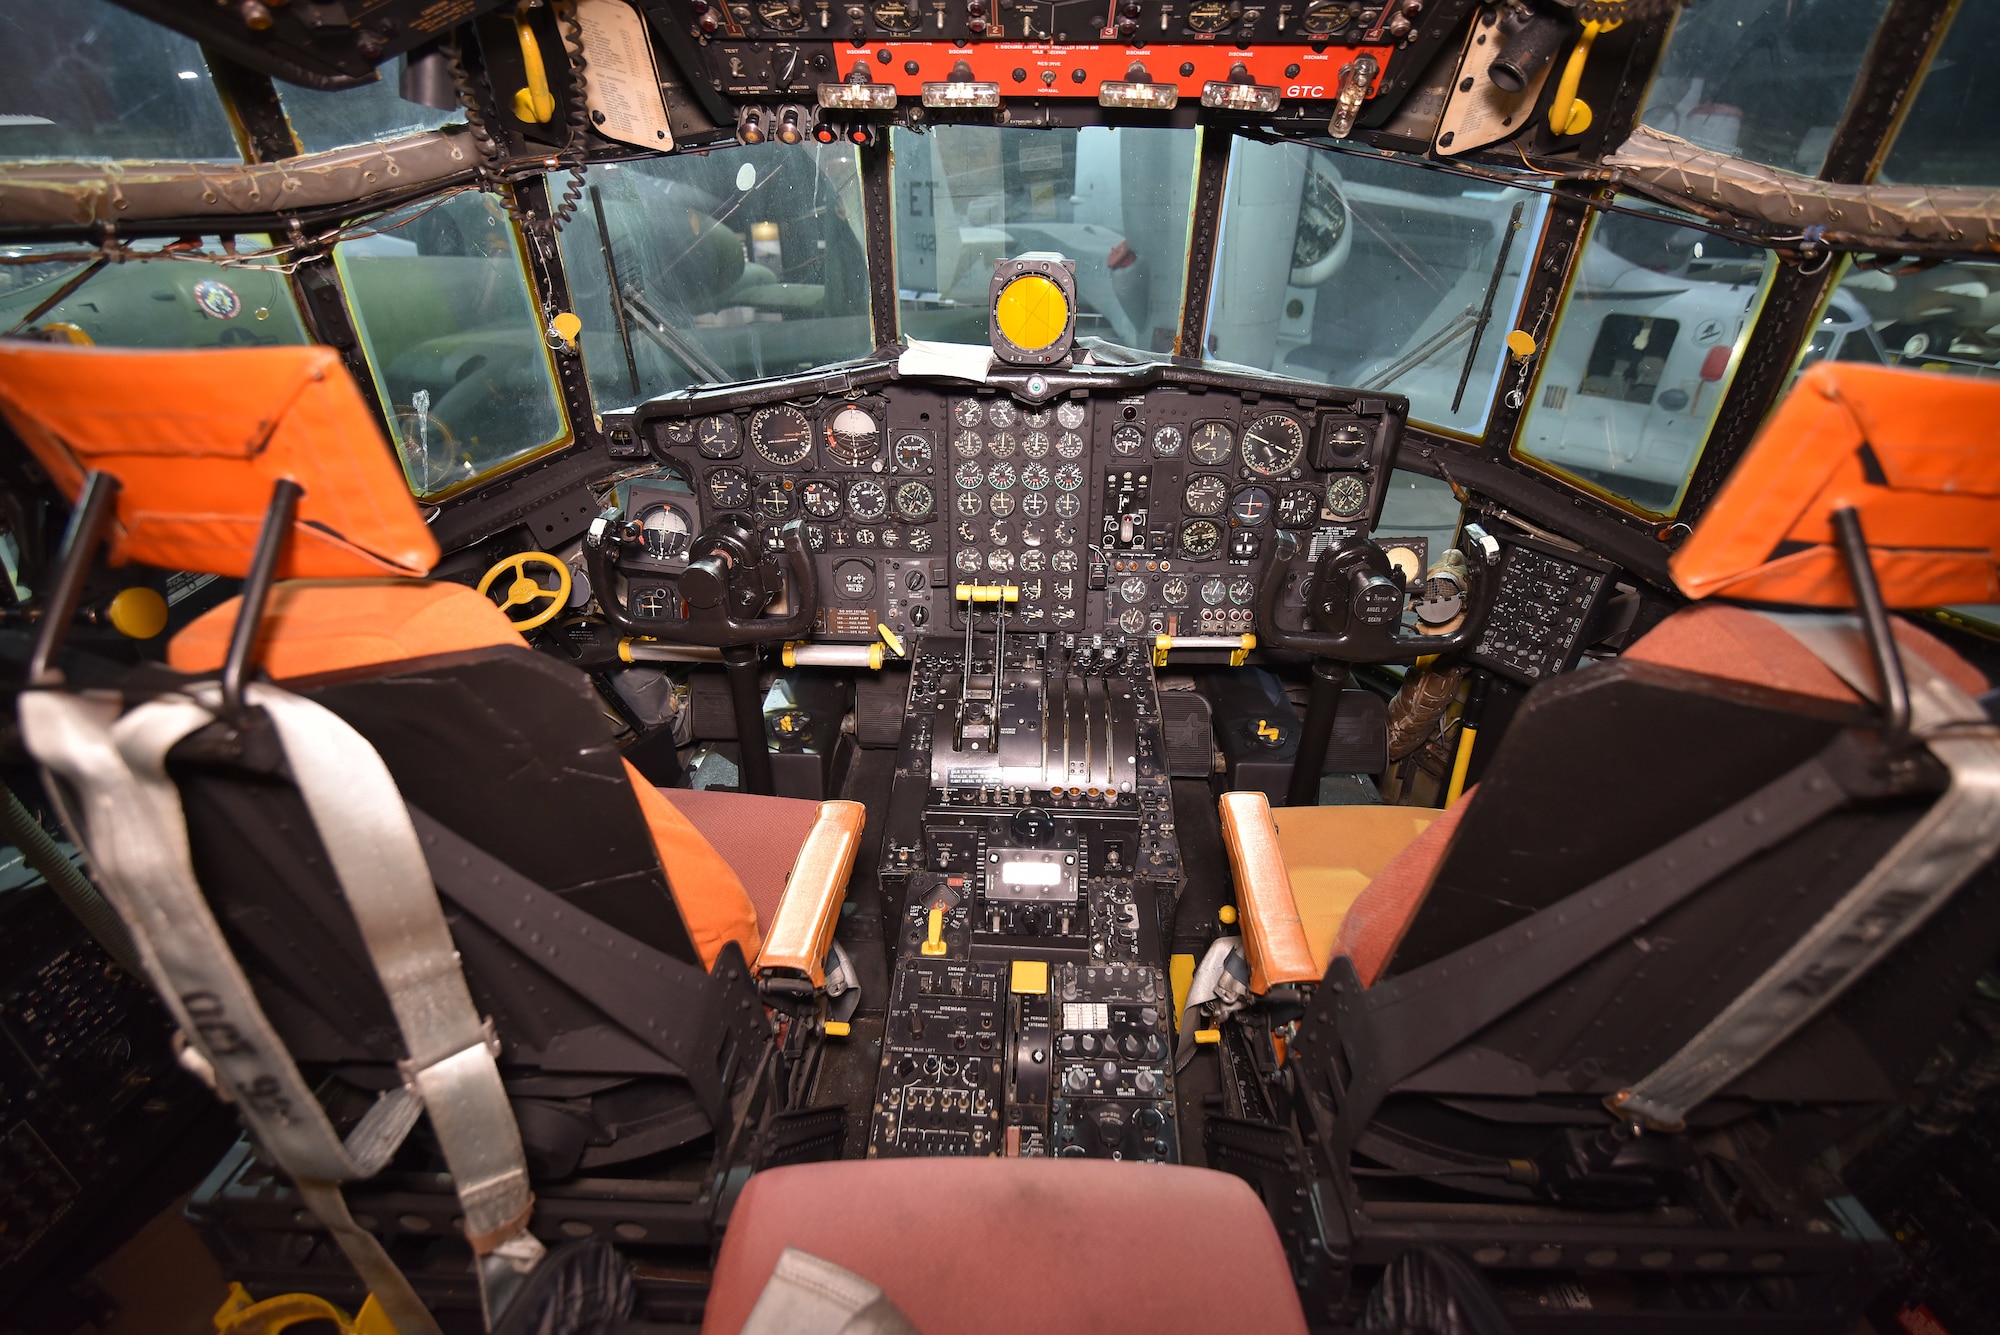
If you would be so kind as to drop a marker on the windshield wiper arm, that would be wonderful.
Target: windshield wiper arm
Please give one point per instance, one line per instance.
(617, 292)
(1486, 309)
(682, 350)
(62, 293)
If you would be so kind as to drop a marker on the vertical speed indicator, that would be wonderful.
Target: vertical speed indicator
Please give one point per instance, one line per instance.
(1272, 444)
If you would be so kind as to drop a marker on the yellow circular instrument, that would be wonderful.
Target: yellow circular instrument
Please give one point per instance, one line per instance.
(1031, 312)
(1033, 306)
(524, 591)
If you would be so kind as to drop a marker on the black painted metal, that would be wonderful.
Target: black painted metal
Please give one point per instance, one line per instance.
(1895, 687)
(1211, 179)
(1328, 680)
(743, 664)
(266, 133)
(257, 581)
(88, 521)
(1904, 42)
(878, 210)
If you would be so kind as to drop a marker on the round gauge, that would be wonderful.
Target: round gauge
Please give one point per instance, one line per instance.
(1406, 560)
(1346, 498)
(665, 532)
(1035, 476)
(1002, 413)
(1001, 534)
(1037, 416)
(1128, 439)
(852, 436)
(1065, 616)
(1000, 476)
(867, 500)
(1200, 539)
(815, 538)
(915, 501)
(1035, 445)
(1273, 443)
(1174, 591)
(1034, 614)
(892, 537)
(1346, 440)
(968, 531)
(1214, 589)
(898, 15)
(968, 561)
(1327, 16)
(1000, 562)
(728, 489)
(864, 537)
(1132, 590)
(1032, 560)
(1031, 589)
(650, 602)
(1206, 494)
(1069, 477)
(913, 453)
(967, 444)
(840, 535)
(821, 499)
(1034, 504)
(969, 475)
(1063, 563)
(1000, 445)
(1298, 507)
(1251, 507)
(1209, 16)
(1002, 503)
(1033, 534)
(969, 503)
(1241, 590)
(678, 432)
(1066, 534)
(782, 15)
(920, 539)
(719, 438)
(773, 498)
(1070, 414)
(1167, 442)
(967, 412)
(1132, 620)
(781, 435)
(1068, 505)
(1069, 445)
(1213, 444)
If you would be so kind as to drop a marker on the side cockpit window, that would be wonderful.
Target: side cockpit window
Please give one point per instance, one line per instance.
(440, 296)
(197, 293)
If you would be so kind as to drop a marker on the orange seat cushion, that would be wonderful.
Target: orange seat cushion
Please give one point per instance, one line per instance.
(1034, 1245)
(318, 626)
(759, 837)
(1333, 854)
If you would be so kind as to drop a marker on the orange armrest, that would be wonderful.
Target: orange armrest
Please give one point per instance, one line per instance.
(1274, 940)
(802, 930)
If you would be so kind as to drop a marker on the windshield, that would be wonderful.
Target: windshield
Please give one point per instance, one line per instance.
(730, 265)
(1372, 274)
(190, 294)
(1117, 201)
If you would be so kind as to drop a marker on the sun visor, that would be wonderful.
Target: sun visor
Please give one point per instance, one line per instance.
(198, 440)
(1917, 453)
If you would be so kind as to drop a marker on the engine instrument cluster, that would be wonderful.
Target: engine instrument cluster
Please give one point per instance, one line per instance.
(1118, 502)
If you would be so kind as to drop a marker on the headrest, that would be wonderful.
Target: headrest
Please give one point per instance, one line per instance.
(198, 440)
(1916, 453)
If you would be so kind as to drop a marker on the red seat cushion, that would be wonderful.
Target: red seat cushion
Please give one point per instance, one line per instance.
(1007, 1246)
(759, 837)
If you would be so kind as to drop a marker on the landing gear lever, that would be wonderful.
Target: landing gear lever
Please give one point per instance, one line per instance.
(1354, 614)
(727, 586)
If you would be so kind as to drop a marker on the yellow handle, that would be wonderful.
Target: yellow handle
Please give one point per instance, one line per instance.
(1569, 114)
(988, 593)
(1466, 737)
(934, 944)
(535, 103)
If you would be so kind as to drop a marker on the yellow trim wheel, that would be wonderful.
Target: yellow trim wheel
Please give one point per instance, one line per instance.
(524, 591)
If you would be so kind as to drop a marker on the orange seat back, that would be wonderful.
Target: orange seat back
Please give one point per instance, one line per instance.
(1916, 453)
(197, 441)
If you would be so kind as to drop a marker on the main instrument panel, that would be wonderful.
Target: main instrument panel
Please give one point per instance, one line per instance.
(1111, 501)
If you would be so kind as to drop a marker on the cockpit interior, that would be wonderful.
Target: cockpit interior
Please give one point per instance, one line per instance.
(961, 666)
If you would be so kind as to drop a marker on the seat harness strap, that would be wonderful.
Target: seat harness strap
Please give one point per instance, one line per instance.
(1957, 836)
(134, 833)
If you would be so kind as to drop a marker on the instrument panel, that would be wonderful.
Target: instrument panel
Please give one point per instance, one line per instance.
(1121, 502)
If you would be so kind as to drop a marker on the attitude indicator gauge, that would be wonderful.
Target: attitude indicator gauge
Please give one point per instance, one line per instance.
(853, 436)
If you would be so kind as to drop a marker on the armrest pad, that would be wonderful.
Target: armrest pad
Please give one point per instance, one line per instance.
(803, 928)
(1273, 938)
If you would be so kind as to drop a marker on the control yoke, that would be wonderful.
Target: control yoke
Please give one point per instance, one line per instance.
(1354, 614)
(1354, 602)
(728, 583)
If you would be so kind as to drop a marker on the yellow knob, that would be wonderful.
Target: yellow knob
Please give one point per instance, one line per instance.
(1226, 914)
(934, 944)
(567, 325)
(139, 612)
(1031, 312)
(1521, 343)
